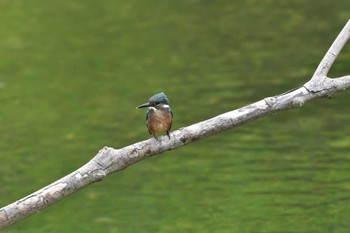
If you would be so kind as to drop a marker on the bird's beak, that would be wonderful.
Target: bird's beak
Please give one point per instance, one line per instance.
(144, 105)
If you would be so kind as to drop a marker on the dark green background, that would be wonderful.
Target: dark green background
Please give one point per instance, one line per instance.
(72, 73)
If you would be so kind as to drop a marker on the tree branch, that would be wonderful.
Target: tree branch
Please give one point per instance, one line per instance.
(109, 160)
(319, 80)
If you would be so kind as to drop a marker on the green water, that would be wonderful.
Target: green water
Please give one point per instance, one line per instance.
(72, 73)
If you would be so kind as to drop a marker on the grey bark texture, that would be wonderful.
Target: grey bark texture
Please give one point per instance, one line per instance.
(109, 160)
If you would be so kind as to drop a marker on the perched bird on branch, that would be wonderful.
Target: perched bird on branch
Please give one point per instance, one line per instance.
(159, 116)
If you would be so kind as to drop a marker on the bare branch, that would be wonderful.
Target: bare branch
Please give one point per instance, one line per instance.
(332, 53)
(109, 160)
(320, 80)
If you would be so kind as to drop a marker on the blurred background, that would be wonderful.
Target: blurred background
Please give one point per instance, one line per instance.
(72, 73)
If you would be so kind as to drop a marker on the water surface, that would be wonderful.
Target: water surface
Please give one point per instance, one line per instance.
(72, 74)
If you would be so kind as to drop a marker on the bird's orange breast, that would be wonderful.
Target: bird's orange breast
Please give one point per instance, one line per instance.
(159, 121)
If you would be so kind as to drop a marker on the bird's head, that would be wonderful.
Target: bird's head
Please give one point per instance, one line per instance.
(156, 100)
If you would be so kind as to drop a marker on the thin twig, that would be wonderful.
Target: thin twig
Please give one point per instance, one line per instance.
(332, 53)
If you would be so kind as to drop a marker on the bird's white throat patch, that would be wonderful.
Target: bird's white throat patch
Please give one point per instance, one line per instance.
(155, 109)
(152, 108)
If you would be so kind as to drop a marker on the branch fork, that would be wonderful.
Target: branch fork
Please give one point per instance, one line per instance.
(320, 81)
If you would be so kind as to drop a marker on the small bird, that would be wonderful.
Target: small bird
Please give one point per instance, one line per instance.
(159, 116)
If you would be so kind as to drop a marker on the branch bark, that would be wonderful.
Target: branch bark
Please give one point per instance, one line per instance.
(109, 160)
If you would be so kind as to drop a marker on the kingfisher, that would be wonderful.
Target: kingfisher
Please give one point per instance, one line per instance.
(159, 116)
